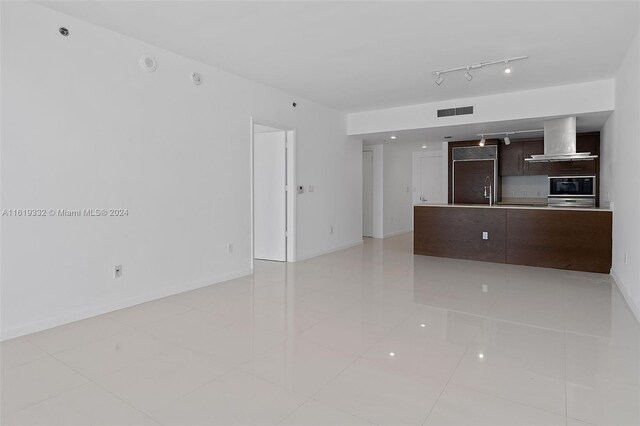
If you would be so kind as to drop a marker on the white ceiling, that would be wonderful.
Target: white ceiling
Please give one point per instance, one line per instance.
(364, 55)
(584, 123)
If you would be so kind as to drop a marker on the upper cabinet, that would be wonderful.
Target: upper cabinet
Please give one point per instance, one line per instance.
(534, 147)
(511, 158)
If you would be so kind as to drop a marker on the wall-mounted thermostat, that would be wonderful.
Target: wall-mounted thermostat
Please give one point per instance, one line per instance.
(300, 189)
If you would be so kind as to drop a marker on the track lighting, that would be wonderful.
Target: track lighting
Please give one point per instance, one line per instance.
(507, 138)
(439, 78)
(507, 68)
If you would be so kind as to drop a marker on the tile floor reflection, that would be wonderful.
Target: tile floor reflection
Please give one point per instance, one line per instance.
(368, 335)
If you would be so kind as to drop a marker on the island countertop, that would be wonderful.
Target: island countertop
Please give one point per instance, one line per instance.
(516, 206)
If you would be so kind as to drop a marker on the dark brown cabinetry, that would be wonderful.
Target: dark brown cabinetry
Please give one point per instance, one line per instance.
(534, 147)
(578, 240)
(511, 158)
(469, 182)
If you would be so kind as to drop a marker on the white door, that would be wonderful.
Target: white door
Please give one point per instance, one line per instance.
(429, 188)
(270, 202)
(367, 194)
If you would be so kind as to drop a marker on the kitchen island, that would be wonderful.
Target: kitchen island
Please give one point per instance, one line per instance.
(567, 238)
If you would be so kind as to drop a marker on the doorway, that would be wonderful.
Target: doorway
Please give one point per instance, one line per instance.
(273, 209)
(427, 178)
(367, 194)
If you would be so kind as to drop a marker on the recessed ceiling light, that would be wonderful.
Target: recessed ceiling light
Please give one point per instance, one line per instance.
(393, 137)
(480, 355)
(424, 146)
(423, 325)
(392, 354)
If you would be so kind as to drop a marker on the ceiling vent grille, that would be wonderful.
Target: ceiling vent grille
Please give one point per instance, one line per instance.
(450, 112)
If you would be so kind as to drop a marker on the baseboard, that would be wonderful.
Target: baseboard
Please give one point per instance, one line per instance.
(103, 309)
(331, 250)
(627, 297)
(396, 233)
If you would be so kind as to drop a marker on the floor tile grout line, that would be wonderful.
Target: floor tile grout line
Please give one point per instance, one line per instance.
(450, 377)
(359, 357)
(74, 387)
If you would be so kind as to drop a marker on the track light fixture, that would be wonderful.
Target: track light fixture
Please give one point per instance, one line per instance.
(439, 78)
(507, 68)
(507, 139)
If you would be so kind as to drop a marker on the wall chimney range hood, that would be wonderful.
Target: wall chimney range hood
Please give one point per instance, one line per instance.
(560, 143)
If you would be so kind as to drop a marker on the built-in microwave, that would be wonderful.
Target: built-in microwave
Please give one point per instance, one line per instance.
(566, 191)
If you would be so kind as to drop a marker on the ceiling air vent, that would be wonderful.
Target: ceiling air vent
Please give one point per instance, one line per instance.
(450, 112)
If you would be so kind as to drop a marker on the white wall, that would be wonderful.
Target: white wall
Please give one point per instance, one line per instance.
(85, 127)
(620, 152)
(398, 185)
(595, 96)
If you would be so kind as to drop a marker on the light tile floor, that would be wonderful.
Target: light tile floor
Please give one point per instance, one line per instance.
(368, 335)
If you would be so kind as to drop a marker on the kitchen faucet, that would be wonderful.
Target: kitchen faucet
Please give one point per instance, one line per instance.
(487, 185)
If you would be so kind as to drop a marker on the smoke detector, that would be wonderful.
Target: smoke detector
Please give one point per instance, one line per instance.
(148, 63)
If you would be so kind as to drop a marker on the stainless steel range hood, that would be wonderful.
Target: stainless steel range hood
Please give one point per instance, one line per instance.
(560, 143)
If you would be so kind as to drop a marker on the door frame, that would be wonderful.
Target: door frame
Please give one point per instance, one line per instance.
(290, 197)
(372, 194)
(378, 188)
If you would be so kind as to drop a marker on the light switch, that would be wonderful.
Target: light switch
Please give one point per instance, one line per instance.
(485, 235)
(311, 188)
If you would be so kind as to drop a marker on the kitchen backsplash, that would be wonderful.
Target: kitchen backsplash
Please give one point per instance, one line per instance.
(525, 187)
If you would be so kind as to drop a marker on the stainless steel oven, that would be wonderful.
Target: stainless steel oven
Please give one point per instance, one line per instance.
(572, 191)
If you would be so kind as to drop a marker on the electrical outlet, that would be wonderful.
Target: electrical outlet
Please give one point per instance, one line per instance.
(229, 247)
(117, 271)
(485, 235)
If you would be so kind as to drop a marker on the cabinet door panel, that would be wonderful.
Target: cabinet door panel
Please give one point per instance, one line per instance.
(572, 168)
(510, 159)
(534, 147)
(469, 179)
